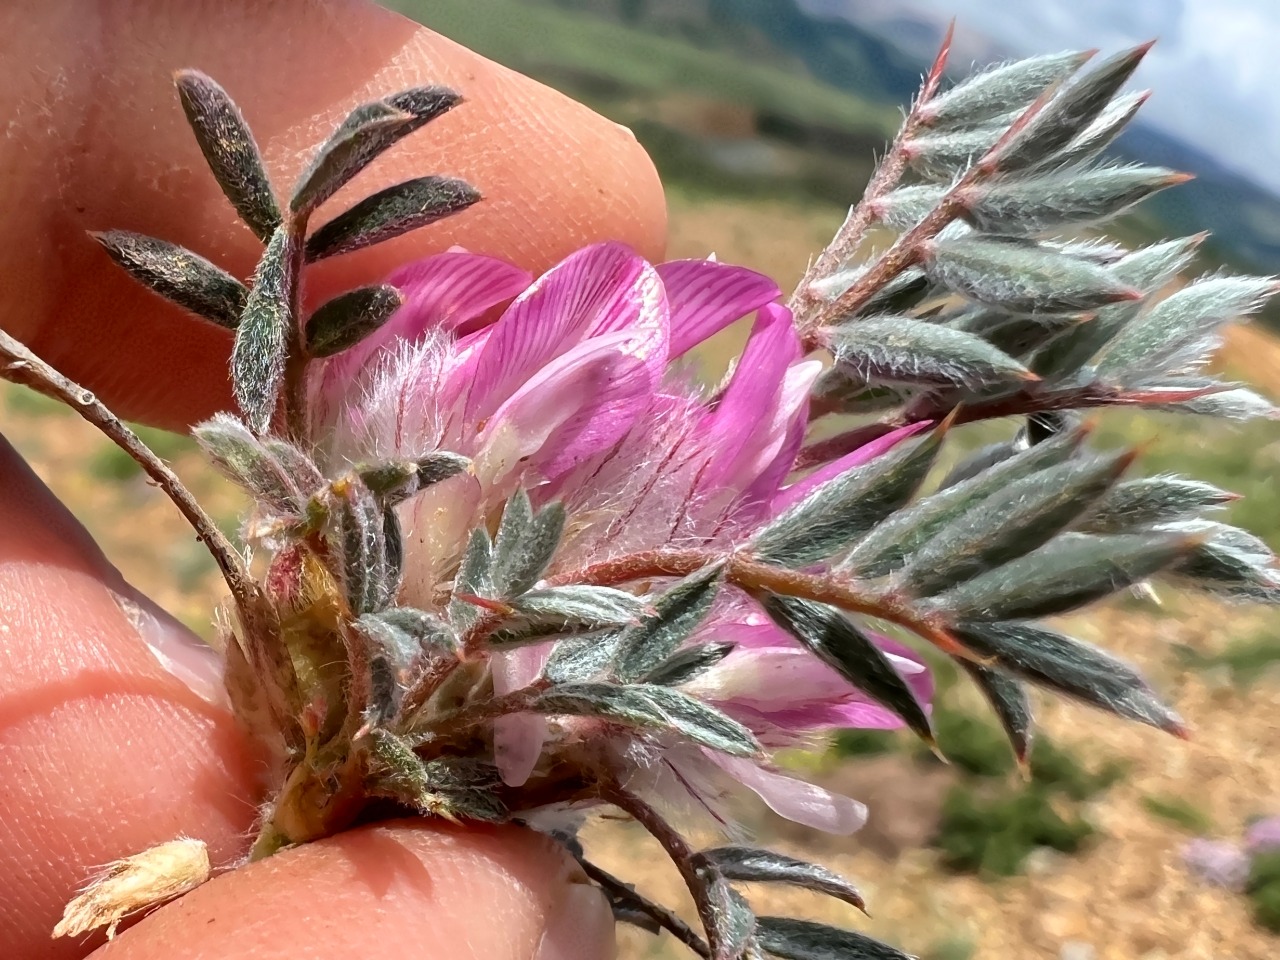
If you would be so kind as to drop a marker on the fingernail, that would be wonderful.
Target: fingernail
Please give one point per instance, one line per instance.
(580, 926)
(179, 651)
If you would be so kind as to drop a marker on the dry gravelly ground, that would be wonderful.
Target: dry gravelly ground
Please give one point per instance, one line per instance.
(1128, 897)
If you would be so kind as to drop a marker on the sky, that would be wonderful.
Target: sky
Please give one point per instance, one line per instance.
(1215, 70)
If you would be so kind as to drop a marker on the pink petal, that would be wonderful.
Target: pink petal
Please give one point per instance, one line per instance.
(790, 421)
(795, 799)
(745, 418)
(598, 290)
(797, 491)
(578, 405)
(518, 738)
(449, 291)
(706, 296)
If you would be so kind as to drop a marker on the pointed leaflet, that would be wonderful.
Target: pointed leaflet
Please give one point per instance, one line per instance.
(805, 940)
(178, 275)
(242, 458)
(1180, 329)
(347, 319)
(756, 865)
(410, 632)
(429, 786)
(678, 613)
(262, 339)
(1230, 561)
(368, 131)
(577, 659)
(900, 350)
(389, 213)
(1152, 500)
(1009, 700)
(1231, 402)
(472, 579)
(1070, 667)
(581, 606)
(1065, 574)
(1068, 198)
(230, 150)
(370, 572)
(1070, 112)
(1011, 522)
(394, 481)
(688, 664)
(843, 509)
(835, 640)
(647, 706)
(1022, 277)
(1096, 137)
(1146, 269)
(999, 90)
(525, 544)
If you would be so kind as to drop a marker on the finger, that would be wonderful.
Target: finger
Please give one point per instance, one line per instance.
(397, 889)
(96, 140)
(103, 751)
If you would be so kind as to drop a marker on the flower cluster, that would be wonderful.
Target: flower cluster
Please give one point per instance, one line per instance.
(523, 565)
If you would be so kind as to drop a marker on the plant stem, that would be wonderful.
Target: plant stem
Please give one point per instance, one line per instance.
(753, 576)
(664, 918)
(677, 849)
(886, 177)
(22, 366)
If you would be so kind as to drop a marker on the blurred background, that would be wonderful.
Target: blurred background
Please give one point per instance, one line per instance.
(764, 117)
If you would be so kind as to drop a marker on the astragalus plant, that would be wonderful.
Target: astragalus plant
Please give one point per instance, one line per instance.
(511, 562)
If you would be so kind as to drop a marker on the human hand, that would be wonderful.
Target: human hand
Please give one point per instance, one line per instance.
(103, 751)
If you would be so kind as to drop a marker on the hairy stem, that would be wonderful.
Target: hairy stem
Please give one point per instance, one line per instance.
(22, 366)
(886, 176)
(753, 576)
(677, 849)
(664, 918)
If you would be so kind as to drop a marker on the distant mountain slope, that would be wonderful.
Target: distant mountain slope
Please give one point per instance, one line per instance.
(821, 93)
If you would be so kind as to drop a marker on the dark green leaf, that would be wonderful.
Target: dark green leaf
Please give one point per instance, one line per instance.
(1009, 700)
(525, 545)
(844, 509)
(648, 706)
(806, 940)
(1151, 500)
(368, 131)
(394, 481)
(370, 583)
(1065, 574)
(262, 339)
(409, 632)
(678, 613)
(575, 659)
(687, 664)
(473, 578)
(757, 865)
(835, 640)
(230, 150)
(347, 319)
(1012, 521)
(243, 459)
(178, 275)
(389, 213)
(1076, 669)
(582, 606)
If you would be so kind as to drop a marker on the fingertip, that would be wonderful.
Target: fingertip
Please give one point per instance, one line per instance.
(470, 894)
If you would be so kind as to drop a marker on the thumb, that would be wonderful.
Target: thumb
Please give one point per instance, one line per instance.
(400, 889)
(95, 140)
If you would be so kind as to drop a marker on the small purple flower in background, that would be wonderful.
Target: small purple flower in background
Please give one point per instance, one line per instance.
(1263, 836)
(1218, 862)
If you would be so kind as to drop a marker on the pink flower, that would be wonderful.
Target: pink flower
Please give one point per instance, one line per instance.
(1263, 836)
(576, 387)
(1217, 862)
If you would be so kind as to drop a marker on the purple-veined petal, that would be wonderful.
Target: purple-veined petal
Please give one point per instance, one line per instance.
(518, 737)
(450, 292)
(705, 296)
(596, 291)
(795, 799)
(578, 405)
(777, 458)
(797, 491)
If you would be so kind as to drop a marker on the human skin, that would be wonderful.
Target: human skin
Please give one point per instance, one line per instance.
(103, 750)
